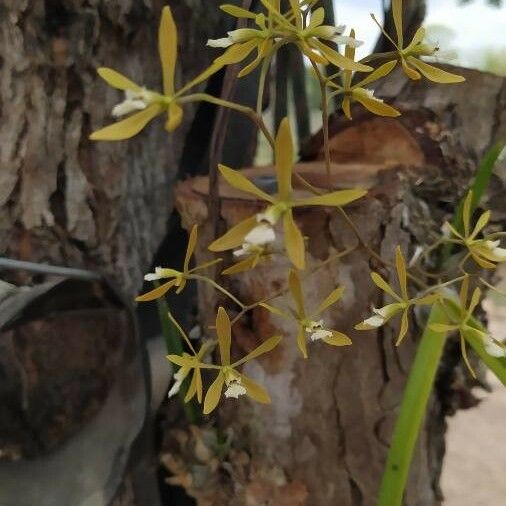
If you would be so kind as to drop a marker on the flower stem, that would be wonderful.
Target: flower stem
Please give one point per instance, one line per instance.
(217, 287)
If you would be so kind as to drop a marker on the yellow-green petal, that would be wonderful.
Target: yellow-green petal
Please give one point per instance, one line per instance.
(404, 327)
(331, 299)
(400, 265)
(397, 15)
(213, 394)
(167, 47)
(346, 106)
(237, 12)
(224, 332)
(481, 223)
(374, 105)
(237, 180)
(192, 389)
(338, 59)
(254, 390)
(241, 266)
(265, 347)
(117, 80)
(379, 73)
(190, 248)
(383, 285)
(175, 116)
(157, 292)
(335, 199)
(235, 236)
(301, 341)
(410, 72)
(337, 339)
(294, 241)
(284, 159)
(434, 74)
(237, 52)
(296, 290)
(128, 127)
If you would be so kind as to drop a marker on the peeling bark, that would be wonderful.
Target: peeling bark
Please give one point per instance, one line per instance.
(330, 423)
(64, 199)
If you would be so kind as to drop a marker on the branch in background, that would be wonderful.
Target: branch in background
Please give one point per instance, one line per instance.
(300, 96)
(281, 84)
(413, 16)
(330, 19)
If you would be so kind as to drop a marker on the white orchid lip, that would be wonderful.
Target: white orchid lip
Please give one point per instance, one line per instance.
(317, 330)
(161, 273)
(134, 101)
(179, 376)
(260, 235)
(495, 249)
(234, 388)
(493, 348)
(375, 321)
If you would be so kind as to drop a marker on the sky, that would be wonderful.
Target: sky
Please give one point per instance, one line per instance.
(476, 26)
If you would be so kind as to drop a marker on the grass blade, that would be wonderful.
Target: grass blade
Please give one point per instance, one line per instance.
(412, 411)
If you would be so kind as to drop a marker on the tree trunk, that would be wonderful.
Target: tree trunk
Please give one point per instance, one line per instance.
(324, 439)
(67, 201)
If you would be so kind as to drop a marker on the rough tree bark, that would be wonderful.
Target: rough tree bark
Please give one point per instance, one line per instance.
(67, 201)
(324, 440)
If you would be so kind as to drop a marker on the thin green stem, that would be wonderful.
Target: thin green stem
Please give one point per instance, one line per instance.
(325, 121)
(285, 289)
(217, 287)
(248, 111)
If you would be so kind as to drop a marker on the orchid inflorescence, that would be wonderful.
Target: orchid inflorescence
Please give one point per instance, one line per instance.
(274, 230)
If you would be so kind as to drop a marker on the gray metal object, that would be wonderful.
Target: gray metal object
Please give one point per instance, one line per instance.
(89, 460)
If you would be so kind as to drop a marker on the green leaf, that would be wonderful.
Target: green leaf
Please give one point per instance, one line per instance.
(412, 411)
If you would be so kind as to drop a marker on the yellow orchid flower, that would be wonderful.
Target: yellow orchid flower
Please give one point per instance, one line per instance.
(310, 37)
(486, 252)
(188, 363)
(311, 326)
(236, 384)
(242, 42)
(409, 55)
(465, 312)
(275, 29)
(254, 254)
(177, 278)
(357, 93)
(403, 302)
(258, 230)
(147, 104)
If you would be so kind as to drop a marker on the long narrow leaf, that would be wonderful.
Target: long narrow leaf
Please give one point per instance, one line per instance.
(412, 411)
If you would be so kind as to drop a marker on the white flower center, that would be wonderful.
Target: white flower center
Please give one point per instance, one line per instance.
(234, 388)
(317, 330)
(179, 378)
(493, 348)
(261, 235)
(134, 101)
